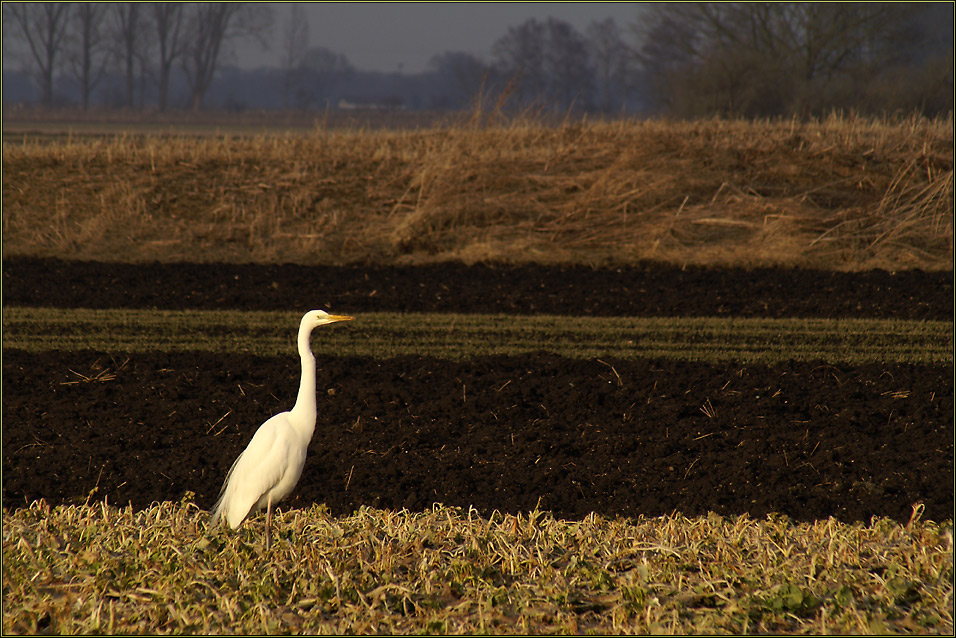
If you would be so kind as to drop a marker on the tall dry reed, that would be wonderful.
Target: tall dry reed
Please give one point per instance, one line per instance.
(844, 193)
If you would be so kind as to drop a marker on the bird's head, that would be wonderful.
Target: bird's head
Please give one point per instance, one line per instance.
(315, 318)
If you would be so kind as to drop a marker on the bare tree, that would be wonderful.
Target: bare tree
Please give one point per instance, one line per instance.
(321, 70)
(521, 54)
(88, 47)
(130, 29)
(213, 25)
(463, 74)
(549, 61)
(296, 42)
(566, 57)
(170, 44)
(43, 26)
(765, 58)
(611, 60)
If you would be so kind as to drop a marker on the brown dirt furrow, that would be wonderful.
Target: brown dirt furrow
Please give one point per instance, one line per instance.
(644, 290)
(808, 440)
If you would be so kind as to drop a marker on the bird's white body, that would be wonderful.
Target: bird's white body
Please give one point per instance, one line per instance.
(270, 466)
(266, 471)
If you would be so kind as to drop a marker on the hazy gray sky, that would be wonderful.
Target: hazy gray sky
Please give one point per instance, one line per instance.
(378, 36)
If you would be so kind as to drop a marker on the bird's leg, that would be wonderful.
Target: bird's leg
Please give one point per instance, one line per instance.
(269, 524)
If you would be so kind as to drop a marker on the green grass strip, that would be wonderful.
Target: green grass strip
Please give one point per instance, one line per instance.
(451, 336)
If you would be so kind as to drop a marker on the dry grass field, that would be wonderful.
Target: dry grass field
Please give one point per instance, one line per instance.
(843, 193)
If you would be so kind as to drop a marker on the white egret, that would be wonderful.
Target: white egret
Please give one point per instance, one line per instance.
(270, 466)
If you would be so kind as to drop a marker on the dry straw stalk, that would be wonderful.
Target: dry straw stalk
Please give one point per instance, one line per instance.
(844, 192)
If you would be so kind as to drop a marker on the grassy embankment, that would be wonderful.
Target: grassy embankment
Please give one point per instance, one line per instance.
(842, 193)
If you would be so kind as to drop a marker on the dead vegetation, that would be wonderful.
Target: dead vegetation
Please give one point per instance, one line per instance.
(842, 193)
(99, 569)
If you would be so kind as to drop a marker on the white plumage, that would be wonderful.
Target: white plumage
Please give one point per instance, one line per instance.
(270, 466)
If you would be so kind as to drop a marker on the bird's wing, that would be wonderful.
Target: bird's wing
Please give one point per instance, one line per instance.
(257, 470)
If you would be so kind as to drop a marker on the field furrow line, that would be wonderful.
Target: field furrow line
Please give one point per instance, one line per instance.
(451, 336)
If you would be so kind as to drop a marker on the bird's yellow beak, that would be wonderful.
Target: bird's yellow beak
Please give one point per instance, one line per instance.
(334, 318)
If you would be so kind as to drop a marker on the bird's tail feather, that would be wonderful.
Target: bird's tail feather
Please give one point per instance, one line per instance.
(216, 514)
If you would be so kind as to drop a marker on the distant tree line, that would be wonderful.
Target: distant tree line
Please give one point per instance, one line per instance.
(146, 42)
(682, 59)
(731, 59)
(551, 64)
(764, 59)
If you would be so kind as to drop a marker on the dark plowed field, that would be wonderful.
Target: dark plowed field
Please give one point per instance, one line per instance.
(809, 440)
(643, 291)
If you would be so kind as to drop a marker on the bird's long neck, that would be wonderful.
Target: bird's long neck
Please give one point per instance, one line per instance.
(303, 411)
